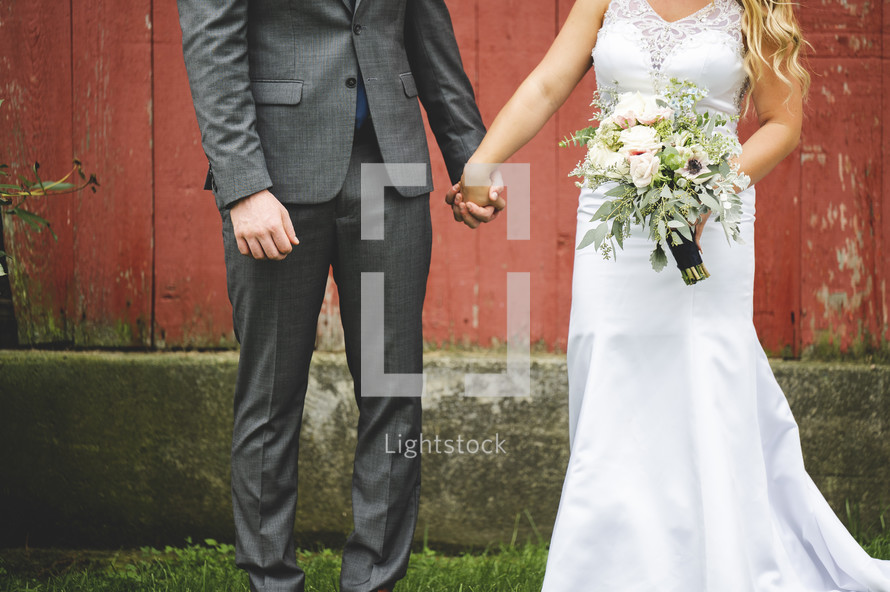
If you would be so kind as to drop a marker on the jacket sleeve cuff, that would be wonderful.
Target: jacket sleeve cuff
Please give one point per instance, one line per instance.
(231, 186)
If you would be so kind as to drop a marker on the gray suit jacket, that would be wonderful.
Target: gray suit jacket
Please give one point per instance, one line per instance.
(274, 88)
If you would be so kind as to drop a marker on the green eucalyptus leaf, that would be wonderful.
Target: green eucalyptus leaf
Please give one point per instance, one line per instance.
(587, 240)
(705, 176)
(647, 198)
(658, 258)
(603, 211)
(686, 231)
(617, 232)
(618, 191)
(599, 234)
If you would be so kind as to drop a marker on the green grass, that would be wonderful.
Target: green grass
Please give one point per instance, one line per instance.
(876, 545)
(210, 567)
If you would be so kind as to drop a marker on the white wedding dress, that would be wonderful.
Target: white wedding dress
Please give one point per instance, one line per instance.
(685, 472)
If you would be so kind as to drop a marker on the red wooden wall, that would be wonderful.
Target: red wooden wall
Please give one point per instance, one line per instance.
(139, 264)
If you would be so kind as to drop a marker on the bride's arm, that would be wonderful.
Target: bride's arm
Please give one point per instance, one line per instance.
(779, 110)
(547, 87)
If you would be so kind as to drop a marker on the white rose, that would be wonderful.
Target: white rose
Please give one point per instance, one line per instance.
(655, 114)
(605, 160)
(643, 167)
(635, 108)
(639, 139)
(631, 101)
(627, 108)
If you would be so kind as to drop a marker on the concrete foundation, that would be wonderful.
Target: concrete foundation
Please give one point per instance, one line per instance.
(107, 449)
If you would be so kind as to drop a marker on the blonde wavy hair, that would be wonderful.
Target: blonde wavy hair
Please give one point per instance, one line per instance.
(772, 23)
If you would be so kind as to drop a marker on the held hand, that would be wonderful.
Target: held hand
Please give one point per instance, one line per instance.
(473, 214)
(482, 195)
(468, 212)
(263, 228)
(699, 227)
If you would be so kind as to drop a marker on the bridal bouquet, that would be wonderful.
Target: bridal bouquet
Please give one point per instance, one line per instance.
(670, 166)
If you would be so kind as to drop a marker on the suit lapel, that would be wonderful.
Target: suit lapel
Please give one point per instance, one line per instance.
(348, 5)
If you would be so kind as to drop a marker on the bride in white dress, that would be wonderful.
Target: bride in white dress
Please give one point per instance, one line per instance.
(685, 472)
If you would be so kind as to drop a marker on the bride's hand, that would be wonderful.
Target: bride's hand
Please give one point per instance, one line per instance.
(485, 194)
(699, 227)
(472, 213)
(466, 211)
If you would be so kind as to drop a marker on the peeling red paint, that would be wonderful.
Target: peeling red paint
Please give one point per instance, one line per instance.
(145, 258)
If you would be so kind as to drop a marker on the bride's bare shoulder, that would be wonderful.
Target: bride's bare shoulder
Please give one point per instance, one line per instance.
(589, 11)
(593, 9)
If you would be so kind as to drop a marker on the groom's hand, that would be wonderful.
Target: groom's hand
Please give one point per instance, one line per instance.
(263, 228)
(468, 212)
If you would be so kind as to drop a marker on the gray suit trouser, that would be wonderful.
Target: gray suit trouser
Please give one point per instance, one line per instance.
(276, 306)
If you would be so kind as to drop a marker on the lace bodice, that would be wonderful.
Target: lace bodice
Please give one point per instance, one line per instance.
(637, 50)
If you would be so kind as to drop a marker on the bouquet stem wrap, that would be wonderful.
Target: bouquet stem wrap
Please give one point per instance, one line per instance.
(689, 261)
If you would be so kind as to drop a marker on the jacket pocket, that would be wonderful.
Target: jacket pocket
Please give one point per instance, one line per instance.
(277, 92)
(408, 84)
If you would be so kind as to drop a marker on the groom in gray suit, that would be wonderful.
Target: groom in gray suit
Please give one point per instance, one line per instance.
(292, 98)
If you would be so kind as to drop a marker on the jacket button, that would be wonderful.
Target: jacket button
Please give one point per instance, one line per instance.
(351, 82)
(357, 29)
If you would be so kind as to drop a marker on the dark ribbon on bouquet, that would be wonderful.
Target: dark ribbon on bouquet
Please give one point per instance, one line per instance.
(689, 261)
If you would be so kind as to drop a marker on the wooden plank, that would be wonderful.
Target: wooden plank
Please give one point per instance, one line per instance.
(450, 309)
(841, 304)
(191, 305)
(112, 130)
(35, 125)
(525, 32)
(883, 270)
(777, 253)
(842, 28)
(840, 164)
